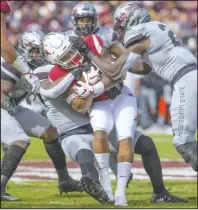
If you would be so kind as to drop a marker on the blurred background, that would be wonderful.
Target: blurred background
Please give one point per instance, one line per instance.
(154, 94)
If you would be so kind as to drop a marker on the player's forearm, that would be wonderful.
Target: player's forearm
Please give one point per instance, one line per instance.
(110, 69)
(55, 89)
(7, 50)
(109, 83)
(116, 70)
(140, 68)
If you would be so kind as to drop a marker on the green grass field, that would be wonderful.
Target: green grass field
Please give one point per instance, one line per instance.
(163, 144)
(44, 194)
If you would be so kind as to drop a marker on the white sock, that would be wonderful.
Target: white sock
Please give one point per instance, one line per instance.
(124, 169)
(103, 169)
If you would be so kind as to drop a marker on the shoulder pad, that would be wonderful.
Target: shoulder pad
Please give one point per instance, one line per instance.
(107, 34)
(134, 34)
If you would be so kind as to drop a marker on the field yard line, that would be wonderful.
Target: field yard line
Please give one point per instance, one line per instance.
(136, 160)
(43, 170)
(34, 173)
(78, 176)
(166, 171)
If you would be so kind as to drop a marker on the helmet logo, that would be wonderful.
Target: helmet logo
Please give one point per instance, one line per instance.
(134, 7)
(121, 18)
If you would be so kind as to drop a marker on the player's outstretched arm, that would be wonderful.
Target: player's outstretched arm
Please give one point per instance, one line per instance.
(7, 50)
(10, 55)
(126, 61)
(141, 68)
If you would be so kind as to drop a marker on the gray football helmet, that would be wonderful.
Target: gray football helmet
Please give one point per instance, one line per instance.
(81, 10)
(129, 14)
(30, 47)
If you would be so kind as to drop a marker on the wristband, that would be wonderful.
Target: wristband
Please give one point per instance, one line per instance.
(98, 88)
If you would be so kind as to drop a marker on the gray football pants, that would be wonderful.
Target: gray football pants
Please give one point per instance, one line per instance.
(184, 109)
(25, 122)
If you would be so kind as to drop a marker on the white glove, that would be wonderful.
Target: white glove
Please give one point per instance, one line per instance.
(93, 76)
(83, 89)
(33, 80)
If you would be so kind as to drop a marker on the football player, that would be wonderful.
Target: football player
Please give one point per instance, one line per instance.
(18, 122)
(144, 146)
(63, 111)
(155, 43)
(85, 19)
(10, 55)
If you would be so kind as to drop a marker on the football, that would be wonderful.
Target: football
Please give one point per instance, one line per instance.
(78, 100)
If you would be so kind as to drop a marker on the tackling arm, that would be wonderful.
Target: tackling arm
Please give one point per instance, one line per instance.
(141, 68)
(126, 61)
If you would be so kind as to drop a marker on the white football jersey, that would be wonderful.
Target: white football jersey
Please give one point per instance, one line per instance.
(165, 56)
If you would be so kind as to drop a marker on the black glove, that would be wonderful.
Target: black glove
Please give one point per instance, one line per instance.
(77, 72)
(114, 91)
(79, 44)
(10, 105)
(86, 66)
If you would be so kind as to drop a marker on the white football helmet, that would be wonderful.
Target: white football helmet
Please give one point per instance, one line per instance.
(59, 50)
(30, 47)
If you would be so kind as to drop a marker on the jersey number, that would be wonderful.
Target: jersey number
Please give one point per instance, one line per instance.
(170, 34)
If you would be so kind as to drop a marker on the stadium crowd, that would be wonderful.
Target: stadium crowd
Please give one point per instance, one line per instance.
(153, 92)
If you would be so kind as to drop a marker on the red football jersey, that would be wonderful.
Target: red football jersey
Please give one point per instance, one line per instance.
(95, 43)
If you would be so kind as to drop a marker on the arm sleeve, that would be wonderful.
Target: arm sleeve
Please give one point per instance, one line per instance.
(56, 73)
